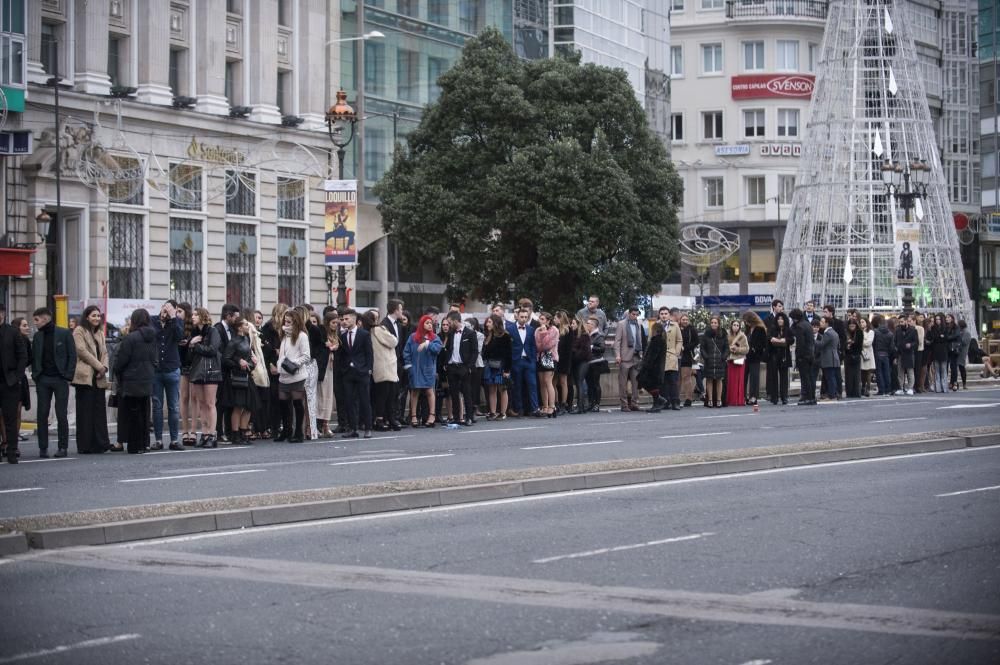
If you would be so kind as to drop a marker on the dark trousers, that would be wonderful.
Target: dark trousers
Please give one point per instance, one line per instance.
(852, 376)
(751, 380)
(832, 389)
(340, 397)
(386, 401)
(275, 408)
(10, 405)
(807, 391)
(45, 388)
(883, 374)
(671, 388)
(780, 381)
(133, 422)
(357, 394)
(581, 381)
(770, 380)
(459, 389)
(594, 383)
(953, 365)
(524, 388)
(91, 420)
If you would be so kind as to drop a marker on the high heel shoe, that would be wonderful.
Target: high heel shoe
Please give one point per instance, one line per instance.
(414, 423)
(431, 421)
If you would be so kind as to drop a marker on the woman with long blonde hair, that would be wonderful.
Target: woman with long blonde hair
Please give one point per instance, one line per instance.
(205, 345)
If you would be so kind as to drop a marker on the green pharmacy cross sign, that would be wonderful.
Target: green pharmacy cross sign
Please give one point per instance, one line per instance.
(994, 295)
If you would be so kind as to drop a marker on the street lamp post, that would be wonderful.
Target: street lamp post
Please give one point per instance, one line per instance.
(340, 121)
(906, 183)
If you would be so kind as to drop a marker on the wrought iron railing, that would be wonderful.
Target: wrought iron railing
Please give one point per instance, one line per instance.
(809, 9)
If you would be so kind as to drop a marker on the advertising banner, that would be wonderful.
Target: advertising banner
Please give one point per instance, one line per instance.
(341, 222)
(907, 251)
(770, 86)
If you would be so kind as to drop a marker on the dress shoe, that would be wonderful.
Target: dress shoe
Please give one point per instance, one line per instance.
(62, 452)
(176, 445)
(395, 427)
(296, 439)
(156, 446)
(11, 456)
(368, 434)
(350, 435)
(469, 422)
(687, 402)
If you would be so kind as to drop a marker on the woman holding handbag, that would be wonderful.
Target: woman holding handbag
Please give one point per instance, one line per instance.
(91, 381)
(205, 375)
(714, 350)
(293, 359)
(547, 343)
(735, 368)
(497, 359)
(238, 391)
(868, 355)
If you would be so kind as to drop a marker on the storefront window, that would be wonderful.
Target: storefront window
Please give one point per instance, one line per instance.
(126, 256)
(292, 251)
(186, 252)
(241, 264)
(763, 261)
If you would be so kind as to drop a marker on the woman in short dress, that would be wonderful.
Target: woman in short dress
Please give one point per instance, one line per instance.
(239, 392)
(497, 358)
(547, 344)
(420, 360)
(293, 362)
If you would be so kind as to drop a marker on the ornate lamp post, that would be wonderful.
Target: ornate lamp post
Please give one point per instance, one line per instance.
(906, 183)
(340, 121)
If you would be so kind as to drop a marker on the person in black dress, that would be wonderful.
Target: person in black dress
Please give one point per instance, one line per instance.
(238, 391)
(134, 366)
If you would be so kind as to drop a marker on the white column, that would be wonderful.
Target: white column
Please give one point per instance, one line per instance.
(153, 80)
(261, 61)
(380, 271)
(91, 48)
(209, 40)
(36, 74)
(311, 34)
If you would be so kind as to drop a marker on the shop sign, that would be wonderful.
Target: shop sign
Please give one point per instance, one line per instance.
(731, 150)
(772, 86)
(16, 143)
(216, 154)
(780, 149)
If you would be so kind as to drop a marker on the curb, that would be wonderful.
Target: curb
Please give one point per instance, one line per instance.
(162, 527)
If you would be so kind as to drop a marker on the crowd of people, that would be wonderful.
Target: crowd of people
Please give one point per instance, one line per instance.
(302, 374)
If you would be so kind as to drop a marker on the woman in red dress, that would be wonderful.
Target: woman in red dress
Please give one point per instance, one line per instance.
(738, 349)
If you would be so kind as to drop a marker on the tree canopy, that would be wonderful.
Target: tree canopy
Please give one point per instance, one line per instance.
(540, 174)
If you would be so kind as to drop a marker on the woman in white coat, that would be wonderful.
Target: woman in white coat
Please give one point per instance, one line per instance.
(867, 357)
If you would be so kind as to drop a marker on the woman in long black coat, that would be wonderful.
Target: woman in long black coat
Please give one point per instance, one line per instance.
(653, 360)
(714, 352)
(135, 364)
(780, 357)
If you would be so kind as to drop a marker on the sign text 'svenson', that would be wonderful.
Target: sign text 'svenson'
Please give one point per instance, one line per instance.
(762, 86)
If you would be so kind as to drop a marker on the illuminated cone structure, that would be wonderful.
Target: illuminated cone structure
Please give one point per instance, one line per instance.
(848, 241)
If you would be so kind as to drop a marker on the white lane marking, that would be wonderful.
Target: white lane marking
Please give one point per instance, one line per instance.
(978, 489)
(505, 429)
(759, 661)
(623, 548)
(536, 497)
(390, 459)
(197, 450)
(51, 459)
(970, 406)
(627, 422)
(572, 445)
(730, 415)
(190, 475)
(23, 489)
(898, 420)
(374, 438)
(99, 642)
(685, 436)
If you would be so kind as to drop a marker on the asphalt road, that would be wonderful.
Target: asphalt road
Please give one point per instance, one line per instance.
(103, 481)
(893, 560)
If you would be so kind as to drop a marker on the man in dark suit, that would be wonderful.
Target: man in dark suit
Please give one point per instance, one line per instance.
(804, 357)
(358, 358)
(777, 306)
(224, 326)
(840, 328)
(460, 349)
(393, 323)
(52, 368)
(524, 357)
(13, 360)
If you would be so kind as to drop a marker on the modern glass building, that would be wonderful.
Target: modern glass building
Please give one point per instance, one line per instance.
(982, 254)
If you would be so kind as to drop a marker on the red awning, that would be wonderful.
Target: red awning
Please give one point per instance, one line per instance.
(15, 262)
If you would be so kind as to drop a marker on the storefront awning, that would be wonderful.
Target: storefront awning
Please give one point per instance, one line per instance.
(15, 262)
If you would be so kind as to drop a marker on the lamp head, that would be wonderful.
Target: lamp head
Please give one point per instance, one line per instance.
(339, 119)
(42, 222)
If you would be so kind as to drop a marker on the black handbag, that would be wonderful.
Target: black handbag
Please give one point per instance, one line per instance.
(289, 366)
(239, 380)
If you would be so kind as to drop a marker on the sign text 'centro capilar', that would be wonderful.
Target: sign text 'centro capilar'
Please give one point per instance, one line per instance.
(764, 86)
(340, 222)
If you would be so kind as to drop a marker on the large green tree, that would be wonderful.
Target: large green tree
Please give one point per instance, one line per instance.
(540, 174)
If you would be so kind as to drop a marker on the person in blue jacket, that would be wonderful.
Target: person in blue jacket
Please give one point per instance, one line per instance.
(420, 361)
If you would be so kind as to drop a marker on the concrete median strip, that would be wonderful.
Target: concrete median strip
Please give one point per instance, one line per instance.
(99, 527)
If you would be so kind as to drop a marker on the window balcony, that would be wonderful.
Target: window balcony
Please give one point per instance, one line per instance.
(756, 10)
